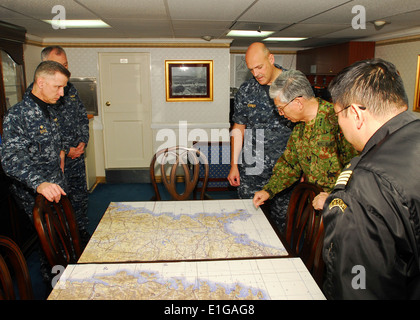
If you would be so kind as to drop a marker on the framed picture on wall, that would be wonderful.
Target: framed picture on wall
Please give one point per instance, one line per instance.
(416, 106)
(189, 80)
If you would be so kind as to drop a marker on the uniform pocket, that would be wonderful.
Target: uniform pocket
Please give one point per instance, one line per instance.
(325, 147)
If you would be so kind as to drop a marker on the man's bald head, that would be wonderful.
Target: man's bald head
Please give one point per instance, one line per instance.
(260, 62)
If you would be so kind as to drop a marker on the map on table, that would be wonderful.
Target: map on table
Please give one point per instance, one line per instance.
(258, 279)
(182, 230)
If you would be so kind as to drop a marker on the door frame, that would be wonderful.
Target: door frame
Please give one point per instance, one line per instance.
(101, 55)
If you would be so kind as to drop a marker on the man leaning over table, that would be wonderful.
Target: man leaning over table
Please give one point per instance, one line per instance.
(74, 127)
(317, 149)
(31, 144)
(372, 217)
(254, 113)
(74, 131)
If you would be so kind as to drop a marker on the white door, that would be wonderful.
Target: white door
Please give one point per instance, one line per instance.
(126, 105)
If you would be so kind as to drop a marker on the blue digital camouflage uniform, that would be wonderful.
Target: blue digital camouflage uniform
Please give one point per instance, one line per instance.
(317, 149)
(265, 139)
(30, 155)
(74, 128)
(30, 150)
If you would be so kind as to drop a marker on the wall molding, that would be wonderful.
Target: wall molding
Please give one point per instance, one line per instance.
(190, 125)
(398, 40)
(273, 51)
(135, 43)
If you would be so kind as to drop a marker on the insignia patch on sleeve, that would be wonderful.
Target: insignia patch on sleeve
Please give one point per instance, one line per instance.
(338, 203)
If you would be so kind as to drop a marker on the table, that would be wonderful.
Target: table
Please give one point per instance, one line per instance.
(250, 279)
(188, 250)
(182, 230)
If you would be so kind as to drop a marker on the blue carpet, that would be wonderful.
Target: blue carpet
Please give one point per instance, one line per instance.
(99, 200)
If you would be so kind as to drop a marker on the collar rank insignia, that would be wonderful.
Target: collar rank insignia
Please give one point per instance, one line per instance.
(338, 203)
(42, 129)
(251, 105)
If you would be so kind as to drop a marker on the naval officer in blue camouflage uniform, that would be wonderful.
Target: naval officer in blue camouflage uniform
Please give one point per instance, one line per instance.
(74, 127)
(259, 132)
(31, 143)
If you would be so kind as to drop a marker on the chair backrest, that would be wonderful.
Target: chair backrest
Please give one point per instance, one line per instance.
(301, 218)
(314, 261)
(189, 160)
(218, 156)
(58, 233)
(12, 259)
(305, 229)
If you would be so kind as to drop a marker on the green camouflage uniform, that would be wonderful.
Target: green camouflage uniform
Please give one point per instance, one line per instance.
(317, 149)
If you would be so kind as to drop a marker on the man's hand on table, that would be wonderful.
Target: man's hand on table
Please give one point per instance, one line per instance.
(260, 197)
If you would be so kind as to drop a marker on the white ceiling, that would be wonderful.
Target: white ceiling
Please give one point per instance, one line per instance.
(323, 21)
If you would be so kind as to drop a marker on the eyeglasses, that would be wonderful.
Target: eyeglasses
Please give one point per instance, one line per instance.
(360, 107)
(282, 108)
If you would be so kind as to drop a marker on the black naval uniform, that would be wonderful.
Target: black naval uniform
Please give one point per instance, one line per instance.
(372, 218)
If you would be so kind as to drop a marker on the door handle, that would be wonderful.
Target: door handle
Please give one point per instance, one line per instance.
(107, 103)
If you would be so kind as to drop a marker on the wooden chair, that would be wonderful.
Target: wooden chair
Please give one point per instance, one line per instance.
(189, 160)
(315, 262)
(56, 226)
(300, 225)
(11, 255)
(305, 229)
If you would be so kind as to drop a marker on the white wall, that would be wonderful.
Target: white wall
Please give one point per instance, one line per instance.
(32, 57)
(404, 56)
(83, 62)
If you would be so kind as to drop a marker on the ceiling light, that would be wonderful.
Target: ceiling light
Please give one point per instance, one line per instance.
(207, 38)
(284, 39)
(379, 24)
(248, 33)
(63, 24)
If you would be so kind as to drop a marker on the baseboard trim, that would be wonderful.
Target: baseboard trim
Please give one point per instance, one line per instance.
(127, 175)
(135, 176)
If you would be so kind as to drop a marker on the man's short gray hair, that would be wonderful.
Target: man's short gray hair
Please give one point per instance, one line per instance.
(47, 50)
(50, 68)
(289, 85)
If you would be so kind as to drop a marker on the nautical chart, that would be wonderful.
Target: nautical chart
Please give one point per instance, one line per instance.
(258, 279)
(173, 230)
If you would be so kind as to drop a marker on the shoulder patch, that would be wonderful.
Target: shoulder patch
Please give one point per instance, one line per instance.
(337, 202)
(344, 177)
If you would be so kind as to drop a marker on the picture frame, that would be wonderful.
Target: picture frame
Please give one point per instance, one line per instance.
(189, 80)
(416, 104)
